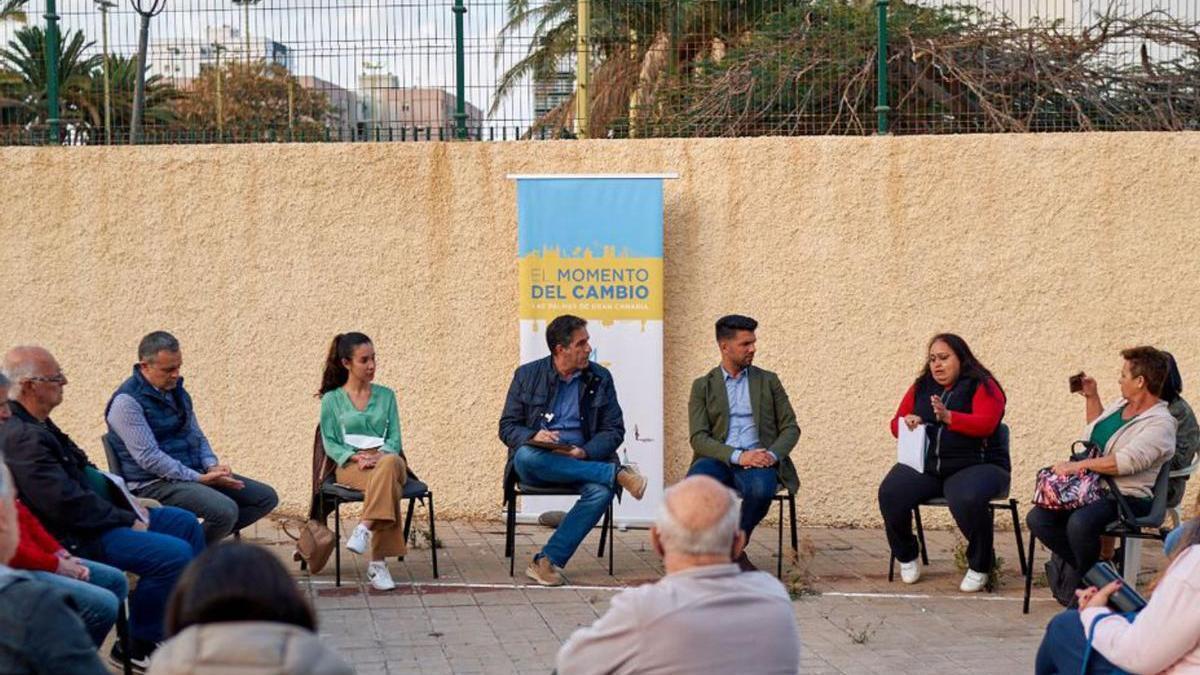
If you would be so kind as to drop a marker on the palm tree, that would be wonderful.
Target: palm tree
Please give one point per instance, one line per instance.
(10, 9)
(26, 58)
(122, 73)
(673, 36)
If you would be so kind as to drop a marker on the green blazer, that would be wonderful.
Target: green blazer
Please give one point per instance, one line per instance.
(708, 420)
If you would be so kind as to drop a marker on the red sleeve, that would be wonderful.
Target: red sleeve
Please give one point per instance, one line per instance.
(907, 404)
(987, 408)
(36, 548)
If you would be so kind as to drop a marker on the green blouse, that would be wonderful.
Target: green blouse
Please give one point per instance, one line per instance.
(1107, 427)
(340, 418)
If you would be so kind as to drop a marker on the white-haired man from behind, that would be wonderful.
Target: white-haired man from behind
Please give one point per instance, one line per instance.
(705, 615)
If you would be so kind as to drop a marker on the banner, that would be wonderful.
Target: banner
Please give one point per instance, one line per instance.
(592, 246)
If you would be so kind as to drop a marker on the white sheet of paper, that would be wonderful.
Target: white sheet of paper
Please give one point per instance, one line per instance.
(139, 510)
(363, 442)
(910, 447)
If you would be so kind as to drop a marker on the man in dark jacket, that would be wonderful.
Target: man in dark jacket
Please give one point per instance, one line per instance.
(562, 425)
(60, 486)
(40, 629)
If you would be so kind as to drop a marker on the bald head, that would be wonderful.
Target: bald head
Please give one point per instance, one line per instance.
(36, 379)
(699, 516)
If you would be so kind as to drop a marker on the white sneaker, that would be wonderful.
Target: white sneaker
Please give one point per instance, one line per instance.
(359, 539)
(379, 576)
(973, 582)
(910, 572)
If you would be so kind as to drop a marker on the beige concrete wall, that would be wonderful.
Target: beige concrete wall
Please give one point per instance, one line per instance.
(1047, 252)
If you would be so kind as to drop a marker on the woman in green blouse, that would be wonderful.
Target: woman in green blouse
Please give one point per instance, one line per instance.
(360, 426)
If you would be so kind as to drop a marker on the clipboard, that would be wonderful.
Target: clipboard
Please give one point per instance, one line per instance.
(560, 448)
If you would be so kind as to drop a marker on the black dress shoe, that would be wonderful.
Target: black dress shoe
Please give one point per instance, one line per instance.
(744, 562)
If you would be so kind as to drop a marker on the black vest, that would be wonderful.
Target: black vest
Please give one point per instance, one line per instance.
(950, 451)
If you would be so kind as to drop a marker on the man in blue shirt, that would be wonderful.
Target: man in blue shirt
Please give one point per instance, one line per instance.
(164, 455)
(562, 425)
(742, 426)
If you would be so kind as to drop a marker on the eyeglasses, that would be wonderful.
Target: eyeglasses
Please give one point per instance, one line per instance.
(60, 378)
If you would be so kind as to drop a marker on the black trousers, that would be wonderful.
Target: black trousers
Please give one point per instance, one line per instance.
(1075, 535)
(967, 491)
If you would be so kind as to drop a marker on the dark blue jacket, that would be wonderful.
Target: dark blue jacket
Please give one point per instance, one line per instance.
(169, 414)
(531, 394)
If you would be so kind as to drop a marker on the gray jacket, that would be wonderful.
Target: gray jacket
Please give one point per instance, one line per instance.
(711, 619)
(40, 630)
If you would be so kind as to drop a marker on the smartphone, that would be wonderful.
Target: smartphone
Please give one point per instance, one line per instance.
(1076, 382)
(1125, 599)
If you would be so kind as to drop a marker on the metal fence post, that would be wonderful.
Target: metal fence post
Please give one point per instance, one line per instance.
(583, 77)
(460, 69)
(52, 40)
(881, 96)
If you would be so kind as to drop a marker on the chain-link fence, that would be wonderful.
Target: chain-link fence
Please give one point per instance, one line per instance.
(377, 70)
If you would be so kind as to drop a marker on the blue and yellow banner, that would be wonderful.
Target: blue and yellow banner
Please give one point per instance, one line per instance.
(593, 246)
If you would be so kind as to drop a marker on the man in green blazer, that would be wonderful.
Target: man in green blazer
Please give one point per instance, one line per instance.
(742, 426)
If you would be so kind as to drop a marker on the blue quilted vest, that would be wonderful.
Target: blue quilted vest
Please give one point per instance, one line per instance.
(169, 415)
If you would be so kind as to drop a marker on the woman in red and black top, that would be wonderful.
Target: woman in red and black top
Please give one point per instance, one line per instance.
(961, 405)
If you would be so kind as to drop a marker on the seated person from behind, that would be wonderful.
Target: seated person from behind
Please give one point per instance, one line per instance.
(40, 629)
(1187, 435)
(60, 486)
(742, 427)
(1164, 637)
(705, 615)
(1137, 435)
(237, 610)
(564, 398)
(961, 405)
(165, 456)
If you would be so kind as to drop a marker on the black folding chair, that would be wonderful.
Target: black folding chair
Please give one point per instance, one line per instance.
(1129, 527)
(1002, 503)
(519, 489)
(783, 496)
(414, 490)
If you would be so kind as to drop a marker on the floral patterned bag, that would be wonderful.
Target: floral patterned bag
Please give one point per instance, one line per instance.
(1067, 493)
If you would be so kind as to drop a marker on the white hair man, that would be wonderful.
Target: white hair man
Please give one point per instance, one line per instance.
(705, 615)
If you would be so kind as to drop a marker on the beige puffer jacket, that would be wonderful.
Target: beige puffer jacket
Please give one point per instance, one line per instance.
(246, 648)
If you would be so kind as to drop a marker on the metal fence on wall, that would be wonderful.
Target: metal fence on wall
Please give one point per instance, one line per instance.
(377, 70)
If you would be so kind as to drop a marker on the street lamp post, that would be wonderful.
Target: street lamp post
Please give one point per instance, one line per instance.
(104, 6)
(218, 48)
(246, 22)
(147, 9)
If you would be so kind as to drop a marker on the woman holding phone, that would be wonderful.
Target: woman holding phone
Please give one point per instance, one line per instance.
(960, 404)
(1136, 435)
(360, 427)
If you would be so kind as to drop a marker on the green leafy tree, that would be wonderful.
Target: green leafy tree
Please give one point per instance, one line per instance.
(25, 58)
(257, 98)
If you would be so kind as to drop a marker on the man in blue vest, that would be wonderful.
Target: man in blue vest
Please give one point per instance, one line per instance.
(164, 455)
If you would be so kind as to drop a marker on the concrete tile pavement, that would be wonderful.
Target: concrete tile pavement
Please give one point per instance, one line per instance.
(477, 619)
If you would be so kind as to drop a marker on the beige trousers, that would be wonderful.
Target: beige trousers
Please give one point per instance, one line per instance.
(383, 489)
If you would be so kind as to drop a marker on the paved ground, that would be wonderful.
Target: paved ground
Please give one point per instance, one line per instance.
(476, 619)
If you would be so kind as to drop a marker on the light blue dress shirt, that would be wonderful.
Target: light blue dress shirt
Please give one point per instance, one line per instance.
(743, 432)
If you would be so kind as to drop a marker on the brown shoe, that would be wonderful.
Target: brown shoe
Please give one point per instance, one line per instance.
(542, 571)
(633, 482)
(743, 561)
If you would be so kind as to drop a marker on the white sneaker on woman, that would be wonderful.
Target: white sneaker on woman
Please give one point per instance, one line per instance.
(973, 582)
(379, 576)
(359, 539)
(910, 572)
